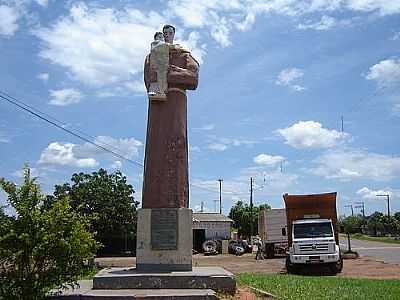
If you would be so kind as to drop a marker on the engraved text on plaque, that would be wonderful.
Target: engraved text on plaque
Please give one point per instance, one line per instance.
(164, 231)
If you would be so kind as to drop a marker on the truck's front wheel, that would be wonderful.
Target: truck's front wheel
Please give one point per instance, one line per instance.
(290, 268)
(337, 267)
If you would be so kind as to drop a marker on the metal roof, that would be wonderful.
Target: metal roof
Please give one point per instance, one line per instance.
(210, 217)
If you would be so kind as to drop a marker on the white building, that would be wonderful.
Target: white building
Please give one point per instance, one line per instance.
(210, 226)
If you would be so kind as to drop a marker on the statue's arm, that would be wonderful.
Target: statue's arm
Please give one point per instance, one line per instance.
(189, 76)
(149, 74)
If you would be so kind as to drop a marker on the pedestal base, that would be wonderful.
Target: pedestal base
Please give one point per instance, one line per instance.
(215, 278)
(164, 240)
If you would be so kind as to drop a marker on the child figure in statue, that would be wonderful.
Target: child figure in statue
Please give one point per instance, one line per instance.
(159, 61)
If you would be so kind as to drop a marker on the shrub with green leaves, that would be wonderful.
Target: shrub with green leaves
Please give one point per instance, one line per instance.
(43, 246)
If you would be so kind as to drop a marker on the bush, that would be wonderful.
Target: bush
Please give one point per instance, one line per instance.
(43, 246)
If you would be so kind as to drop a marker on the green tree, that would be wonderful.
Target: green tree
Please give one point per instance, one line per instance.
(243, 218)
(352, 224)
(375, 223)
(107, 201)
(42, 246)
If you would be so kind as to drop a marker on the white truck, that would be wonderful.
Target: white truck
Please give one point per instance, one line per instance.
(312, 232)
(272, 229)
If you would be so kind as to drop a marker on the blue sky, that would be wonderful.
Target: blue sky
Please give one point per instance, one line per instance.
(275, 78)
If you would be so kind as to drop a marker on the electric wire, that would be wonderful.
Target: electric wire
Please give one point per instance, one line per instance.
(70, 131)
(62, 126)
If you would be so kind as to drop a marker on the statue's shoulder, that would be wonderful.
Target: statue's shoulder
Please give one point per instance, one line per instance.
(179, 50)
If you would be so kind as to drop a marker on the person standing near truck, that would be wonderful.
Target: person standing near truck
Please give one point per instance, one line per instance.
(259, 254)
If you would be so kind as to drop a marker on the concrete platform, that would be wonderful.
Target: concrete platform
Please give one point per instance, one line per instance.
(215, 278)
(130, 294)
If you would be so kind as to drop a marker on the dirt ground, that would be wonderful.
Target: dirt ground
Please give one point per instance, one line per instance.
(362, 267)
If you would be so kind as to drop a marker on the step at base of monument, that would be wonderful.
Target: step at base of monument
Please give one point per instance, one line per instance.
(214, 278)
(142, 294)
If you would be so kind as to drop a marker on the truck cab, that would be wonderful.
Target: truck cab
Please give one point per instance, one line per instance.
(313, 242)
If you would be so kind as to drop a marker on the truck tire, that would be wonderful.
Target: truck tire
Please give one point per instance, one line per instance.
(337, 267)
(209, 246)
(290, 268)
(270, 250)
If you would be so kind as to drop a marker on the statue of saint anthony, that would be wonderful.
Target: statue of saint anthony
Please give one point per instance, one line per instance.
(166, 183)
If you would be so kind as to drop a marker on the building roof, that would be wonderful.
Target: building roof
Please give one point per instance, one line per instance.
(210, 217)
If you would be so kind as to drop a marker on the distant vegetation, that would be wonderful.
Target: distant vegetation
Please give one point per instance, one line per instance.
(377, 224)
(244, 217)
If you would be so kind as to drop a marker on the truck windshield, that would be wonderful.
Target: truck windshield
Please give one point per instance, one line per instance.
(312, 230)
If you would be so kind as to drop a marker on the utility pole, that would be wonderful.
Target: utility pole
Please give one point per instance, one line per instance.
(388, 202)
(251, 210)
(352, 211)
(362, 206)
(215, 205)
(342, 124)
(220, 195)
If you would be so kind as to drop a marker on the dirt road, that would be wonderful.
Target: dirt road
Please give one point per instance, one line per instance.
(357, 268)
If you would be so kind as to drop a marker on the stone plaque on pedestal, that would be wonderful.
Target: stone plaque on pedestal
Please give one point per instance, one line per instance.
(164, 231)
(164, 240)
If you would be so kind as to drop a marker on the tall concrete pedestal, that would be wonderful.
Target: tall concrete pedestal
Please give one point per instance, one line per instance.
(164, 240)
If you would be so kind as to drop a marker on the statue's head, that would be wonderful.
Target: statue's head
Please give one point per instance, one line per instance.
(158, 36)
(169, 33)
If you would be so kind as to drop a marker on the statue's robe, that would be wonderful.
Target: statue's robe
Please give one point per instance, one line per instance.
(166, 183)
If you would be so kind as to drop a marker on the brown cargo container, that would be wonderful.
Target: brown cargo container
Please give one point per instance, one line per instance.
(321, 206)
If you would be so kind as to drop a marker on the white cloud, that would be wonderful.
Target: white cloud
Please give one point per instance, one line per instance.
(396, 36)
(43, 3)
(20, 173)
(222, 144)
(194, 149)
(268, 160)
(65, 97)
(100, 46)
(325, 23)
(87, 155)
(4, 138)
(105, 47)
(206, 127)
(396, 109)
(127, 147)
(63, 154)
(287, 77)
(116, 165)
(221, 18)
(384, 7)
(351, 164)
(311, 135)
(43, 76)
(8, 20)
(386, 72)
(217, 147)
(367, 193)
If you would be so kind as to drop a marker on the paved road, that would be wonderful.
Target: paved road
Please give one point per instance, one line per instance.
(389, 253)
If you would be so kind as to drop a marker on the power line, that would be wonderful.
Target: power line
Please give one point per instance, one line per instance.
(63, 124)
(54, 123)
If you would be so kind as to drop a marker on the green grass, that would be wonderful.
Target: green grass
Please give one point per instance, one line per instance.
(312, 287)
(383, 239)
